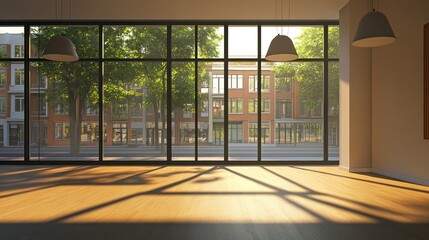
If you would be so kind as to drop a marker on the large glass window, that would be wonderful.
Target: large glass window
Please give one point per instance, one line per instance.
(135, 41)
(242, 144)
(60, 129)
(210, 113)
(183, 111)
(299, 96)
(148, 96)
(135, 111)
(12, 99)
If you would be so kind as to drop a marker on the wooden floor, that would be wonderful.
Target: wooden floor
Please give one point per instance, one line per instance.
(210, 202)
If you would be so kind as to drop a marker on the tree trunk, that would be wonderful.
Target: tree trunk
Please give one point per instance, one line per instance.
(156, 134)
(75, 119)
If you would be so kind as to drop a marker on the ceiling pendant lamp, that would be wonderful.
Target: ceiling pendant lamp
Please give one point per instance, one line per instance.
(374, 30)
(281, 48)
(60, 48)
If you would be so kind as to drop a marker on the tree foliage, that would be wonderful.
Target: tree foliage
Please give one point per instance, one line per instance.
(78, 82)
(309, 75)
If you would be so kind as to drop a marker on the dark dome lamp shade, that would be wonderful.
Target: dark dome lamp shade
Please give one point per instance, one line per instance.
(61, 49)
(281, 50)
(374, 30)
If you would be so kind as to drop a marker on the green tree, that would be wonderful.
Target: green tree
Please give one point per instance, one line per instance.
(309, 75)
(150, 42)
(77, 82)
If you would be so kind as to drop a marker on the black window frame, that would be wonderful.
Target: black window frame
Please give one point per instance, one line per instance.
(27, 24)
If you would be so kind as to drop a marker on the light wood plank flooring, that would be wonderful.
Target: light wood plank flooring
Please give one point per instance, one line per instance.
(207, 202)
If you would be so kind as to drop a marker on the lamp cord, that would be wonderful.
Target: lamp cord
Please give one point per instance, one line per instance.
(289, 18)
(281, 12)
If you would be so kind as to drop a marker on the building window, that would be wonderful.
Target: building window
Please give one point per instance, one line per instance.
(253, 105)
(235, 132)
(235, 81)
(284, 108)
(42, 106)
(265, 106)
(19, 76)
(2, 78)
(19, 104)
(89, 132)
(253, 133)
(3, 51)
(120, 111)
(62, 107)
(235, 105)
(218, 108)
(253, 83)
(2, 107)
(61, 131)
(218, 84)
(19, 51)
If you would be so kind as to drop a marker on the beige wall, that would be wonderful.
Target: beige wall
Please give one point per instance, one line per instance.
(399, 149)
(171, 9)
(355, 94)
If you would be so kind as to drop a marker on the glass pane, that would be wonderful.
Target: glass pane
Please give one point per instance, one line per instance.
(243, 42)
(297, 118)
(333, 121)
(210, 41)
(210, 111)
(183, 42)
(135, 107)
(63, 111)
(84, 38)
(135, 41)
(242, 125)
(183, 111)
(11, 110)
(334, 42)
(11, 42)
(308, 40)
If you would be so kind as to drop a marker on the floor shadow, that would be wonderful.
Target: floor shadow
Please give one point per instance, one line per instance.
(59, 228)
(212, 231)
(363, 180)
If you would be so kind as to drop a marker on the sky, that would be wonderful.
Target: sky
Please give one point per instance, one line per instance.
(244, 40)
(11, 29)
